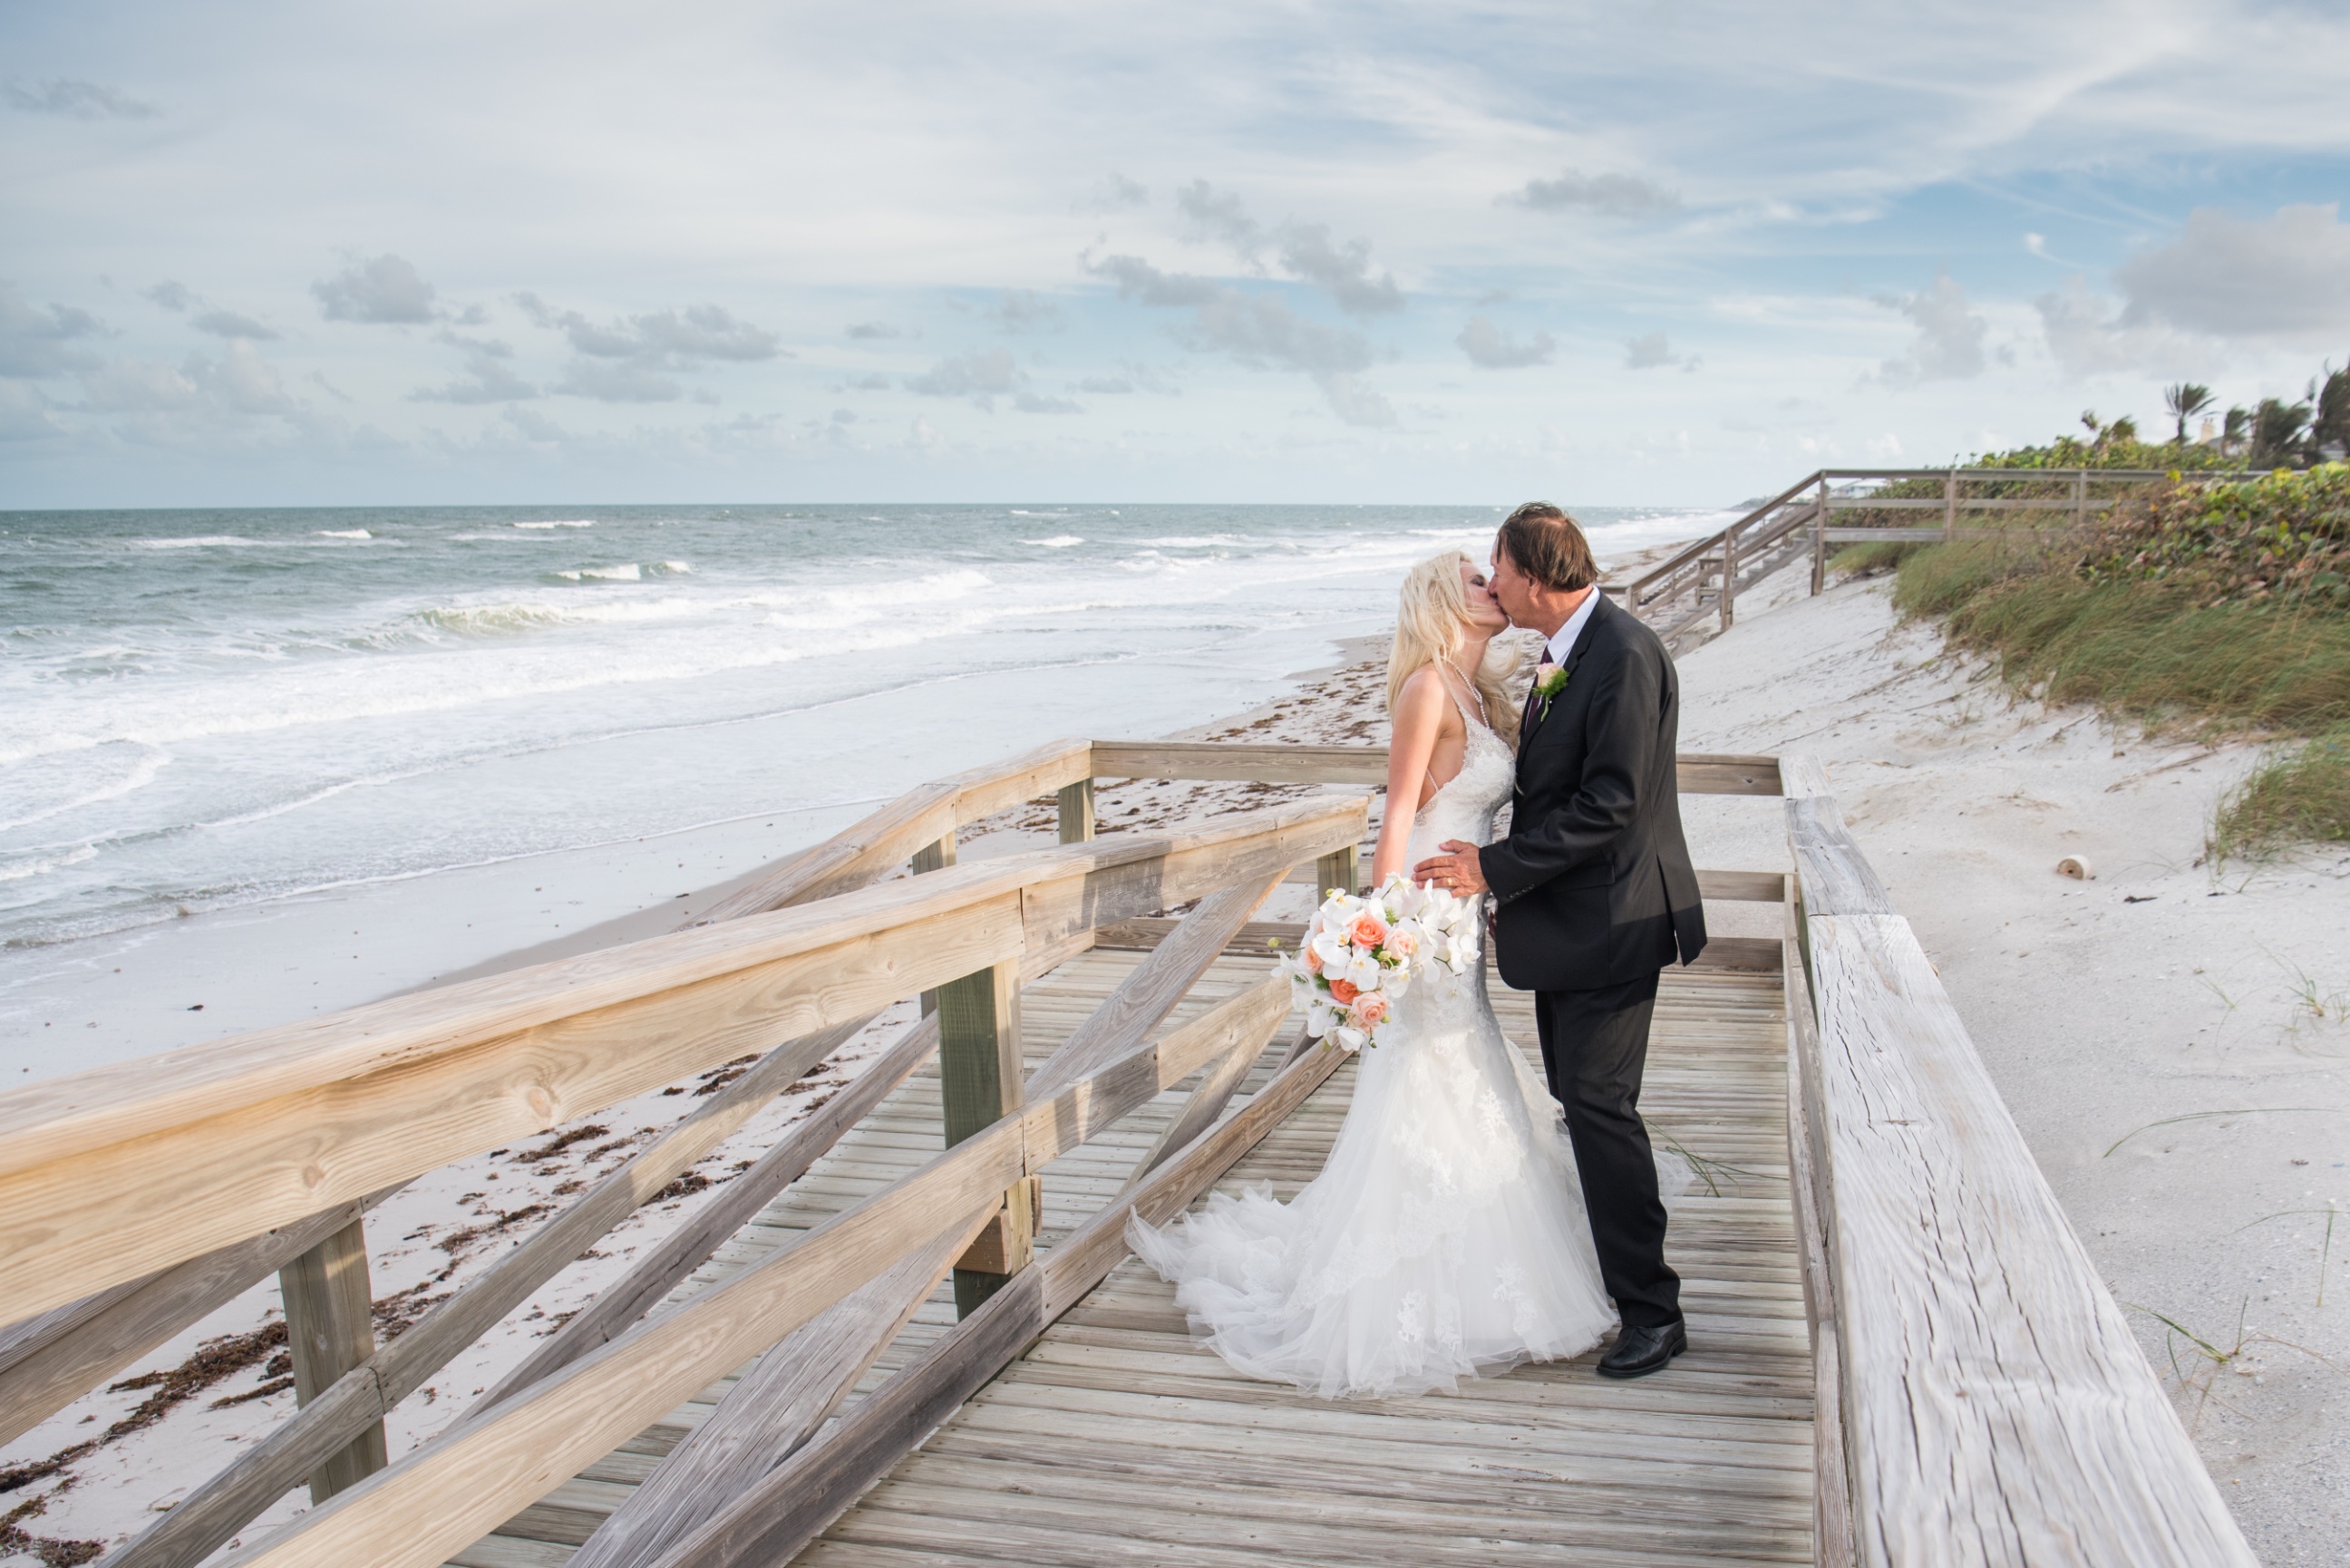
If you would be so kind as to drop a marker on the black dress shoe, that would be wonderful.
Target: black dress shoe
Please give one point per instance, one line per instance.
(1640, 1350)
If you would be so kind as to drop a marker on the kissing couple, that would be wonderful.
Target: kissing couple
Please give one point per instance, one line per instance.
(1469, 1219)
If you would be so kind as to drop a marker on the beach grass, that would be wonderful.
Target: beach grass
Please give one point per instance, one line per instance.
(2302, 795)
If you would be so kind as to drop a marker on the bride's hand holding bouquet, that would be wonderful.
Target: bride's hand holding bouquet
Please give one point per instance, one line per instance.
(1361, 954)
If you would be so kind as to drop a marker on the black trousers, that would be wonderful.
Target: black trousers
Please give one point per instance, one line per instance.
(1594, 1046)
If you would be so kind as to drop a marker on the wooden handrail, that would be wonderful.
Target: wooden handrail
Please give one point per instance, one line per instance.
(1705, 577)
(880, 842)
(1994, 1406)
(446, 1493)
(107, 1175)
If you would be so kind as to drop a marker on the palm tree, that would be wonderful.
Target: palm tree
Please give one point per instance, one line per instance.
(2277, 428)
(2233, 430)
(2183, 402)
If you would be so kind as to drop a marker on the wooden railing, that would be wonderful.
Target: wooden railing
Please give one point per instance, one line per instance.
(1693, 594)
(1981, 1400)
(1981, 1397)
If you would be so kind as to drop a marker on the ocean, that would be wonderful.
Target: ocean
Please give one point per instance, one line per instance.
(204, 710)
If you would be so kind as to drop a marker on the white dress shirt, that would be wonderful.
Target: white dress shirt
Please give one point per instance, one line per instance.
(1562, 641)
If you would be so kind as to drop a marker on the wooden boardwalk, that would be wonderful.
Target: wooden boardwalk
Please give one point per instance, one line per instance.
(1116, 1439)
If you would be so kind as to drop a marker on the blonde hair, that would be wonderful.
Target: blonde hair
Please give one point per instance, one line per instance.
(1432, 624)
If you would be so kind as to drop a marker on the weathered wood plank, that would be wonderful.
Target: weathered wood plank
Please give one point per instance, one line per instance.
(1216, 1087)
(621, 1303)
(329, 1330)
(1742, 887)
(1999, 1409)
(230, 1499)
(1835, 878)
(873, 846)
(449, 1490)
(49, 1362)
(1263, 761)
(1154, 986)
(109, 1174)
(774, 1520)
(770, 1411)
(1810, 1186)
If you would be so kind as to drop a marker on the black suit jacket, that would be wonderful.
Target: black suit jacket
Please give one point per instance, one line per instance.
(1594, 885)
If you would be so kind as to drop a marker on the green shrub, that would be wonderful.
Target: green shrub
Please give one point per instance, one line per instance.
(2224, 608)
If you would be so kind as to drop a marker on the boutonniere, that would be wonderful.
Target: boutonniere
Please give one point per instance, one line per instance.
(1549, 684)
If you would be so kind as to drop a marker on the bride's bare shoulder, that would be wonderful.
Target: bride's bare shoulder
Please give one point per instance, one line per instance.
(1423, 695)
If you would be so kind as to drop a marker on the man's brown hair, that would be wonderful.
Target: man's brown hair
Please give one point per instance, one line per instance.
(1548, 545)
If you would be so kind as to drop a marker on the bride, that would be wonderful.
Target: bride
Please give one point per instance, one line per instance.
(1445, 1237)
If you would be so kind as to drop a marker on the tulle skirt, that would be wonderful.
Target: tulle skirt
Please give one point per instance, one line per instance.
(1444, 1239)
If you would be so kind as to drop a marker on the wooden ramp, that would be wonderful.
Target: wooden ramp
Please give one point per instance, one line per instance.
(1116, 1439)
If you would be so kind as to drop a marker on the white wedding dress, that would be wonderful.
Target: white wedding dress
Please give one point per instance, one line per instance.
(1445, 1237)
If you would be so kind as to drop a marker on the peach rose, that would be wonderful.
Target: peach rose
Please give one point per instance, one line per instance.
(1367, 932)
(1403, 944)
(1313, 962)
(1343, 990)
(1369, 1012)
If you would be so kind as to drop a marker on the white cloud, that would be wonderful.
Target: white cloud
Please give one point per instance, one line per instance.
(1259, 330)
(38, 342)
(1646, 352)
(238, 382)
(983, 378)
(241, 380)
(229, 324)
(1950, 336)
(2090, 335)
(1138, 280)
(635, 359)
(1210, 214)
(2287, 274)
(1023, 310)
(1609, 195)
(1344, 271)
(872, 329)
(1114, 192)
(1492, 347)
(24, 416)
(386, 289)
(487, 379)
(1305, 251)
(78, 100)
(618, 382)
(133, 386)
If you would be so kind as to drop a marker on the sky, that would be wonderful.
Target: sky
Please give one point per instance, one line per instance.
(1660, 251)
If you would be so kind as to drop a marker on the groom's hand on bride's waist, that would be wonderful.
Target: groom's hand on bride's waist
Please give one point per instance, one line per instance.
(1457, 870)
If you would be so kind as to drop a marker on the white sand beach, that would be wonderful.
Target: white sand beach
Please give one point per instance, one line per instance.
(2118, 1014)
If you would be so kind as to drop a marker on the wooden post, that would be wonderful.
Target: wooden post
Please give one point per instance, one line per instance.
(980, 1075)
(1077, 812)
(329, 1329)
(2080, 497)
(1950, 505)
(1820, 541)
(1729, 573)
(1339, 868)
(936, 856)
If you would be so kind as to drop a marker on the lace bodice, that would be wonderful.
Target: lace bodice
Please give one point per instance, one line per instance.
(1465, 809)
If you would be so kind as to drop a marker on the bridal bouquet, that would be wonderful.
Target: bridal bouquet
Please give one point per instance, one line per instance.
(1361, 954)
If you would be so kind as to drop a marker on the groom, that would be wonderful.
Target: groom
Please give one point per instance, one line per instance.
(1593, 895)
